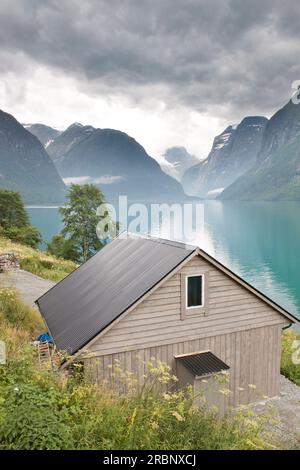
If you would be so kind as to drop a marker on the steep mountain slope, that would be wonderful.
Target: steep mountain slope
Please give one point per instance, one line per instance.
(25, 166)
(232, 154)
(72, 136)
(115, 161)
(45, 134)
(176, 161)
(277, 170)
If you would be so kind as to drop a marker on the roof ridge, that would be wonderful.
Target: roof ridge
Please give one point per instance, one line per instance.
(166, 241)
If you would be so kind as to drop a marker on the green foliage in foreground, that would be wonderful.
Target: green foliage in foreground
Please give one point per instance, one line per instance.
(42, 409)
(14, 220)
(290, 346)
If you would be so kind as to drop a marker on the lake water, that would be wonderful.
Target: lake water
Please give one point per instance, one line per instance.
(259, 241)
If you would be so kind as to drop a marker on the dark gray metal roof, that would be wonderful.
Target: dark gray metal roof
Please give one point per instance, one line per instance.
(204, 363)
(84, 303)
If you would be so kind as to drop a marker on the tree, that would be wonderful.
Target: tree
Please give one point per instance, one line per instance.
(62, 247)
(14, 220)
(80, 219)
(27, 235)
(12, 210)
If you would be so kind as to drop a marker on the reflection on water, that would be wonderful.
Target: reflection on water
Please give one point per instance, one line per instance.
(259, 241)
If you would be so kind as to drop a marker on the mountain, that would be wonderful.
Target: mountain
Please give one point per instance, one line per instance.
(232, 154)
(66, 140)
(25, 166)
(113, 160)
(176, 161)
(45, 134)
(276, 175)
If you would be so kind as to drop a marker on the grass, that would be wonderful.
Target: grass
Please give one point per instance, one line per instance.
(42, 409)
(290, 358)
(18, 314)
(38, 262)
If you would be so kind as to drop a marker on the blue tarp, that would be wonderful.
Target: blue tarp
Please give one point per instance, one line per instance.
(45, 337)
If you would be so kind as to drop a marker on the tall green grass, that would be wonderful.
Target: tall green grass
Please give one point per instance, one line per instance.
(38, 262)
(290, 366)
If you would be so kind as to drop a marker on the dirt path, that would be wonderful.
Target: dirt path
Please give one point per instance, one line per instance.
(29, 286)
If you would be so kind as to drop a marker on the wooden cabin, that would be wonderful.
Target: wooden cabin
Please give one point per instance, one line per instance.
(141, 297)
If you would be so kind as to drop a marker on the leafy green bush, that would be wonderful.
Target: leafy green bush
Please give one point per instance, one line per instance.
(14, 220)
(289, 344)
(48, 424)
(27, 235)
(62, 248)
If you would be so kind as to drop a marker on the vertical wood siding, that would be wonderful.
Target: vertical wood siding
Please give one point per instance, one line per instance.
(157, 320)
(253, 356)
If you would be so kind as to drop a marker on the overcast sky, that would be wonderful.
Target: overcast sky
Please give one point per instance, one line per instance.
(167, 72)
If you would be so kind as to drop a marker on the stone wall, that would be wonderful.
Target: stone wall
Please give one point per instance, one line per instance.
(8, 261)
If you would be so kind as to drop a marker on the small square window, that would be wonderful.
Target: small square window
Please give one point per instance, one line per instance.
(194, 291)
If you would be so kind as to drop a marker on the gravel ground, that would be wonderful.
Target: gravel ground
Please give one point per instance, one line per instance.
(286, 410)
(29, 286)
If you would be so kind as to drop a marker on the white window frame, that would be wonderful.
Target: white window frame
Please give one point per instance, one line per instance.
(202, 291)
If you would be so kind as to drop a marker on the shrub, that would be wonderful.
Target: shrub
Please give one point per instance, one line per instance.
(62, 248)
(14, 220)
(27, 235)
(289, 346)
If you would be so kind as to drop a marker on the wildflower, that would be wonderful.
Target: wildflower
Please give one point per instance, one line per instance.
(178, 416)
(167, 396)
(154, 425)
(225, 391)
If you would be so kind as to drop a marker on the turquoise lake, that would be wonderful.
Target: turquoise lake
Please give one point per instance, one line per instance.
(259, 241)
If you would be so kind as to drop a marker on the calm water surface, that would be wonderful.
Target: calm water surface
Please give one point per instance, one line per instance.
(259, 241)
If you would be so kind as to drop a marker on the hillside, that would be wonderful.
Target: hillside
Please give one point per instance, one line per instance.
(276, 175)
(234, 152)
(38, 262)
(25, 166)
(114, 161)
(45, 134)
(66, 140)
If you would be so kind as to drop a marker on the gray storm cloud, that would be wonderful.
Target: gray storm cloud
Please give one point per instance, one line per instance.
(221, 55)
